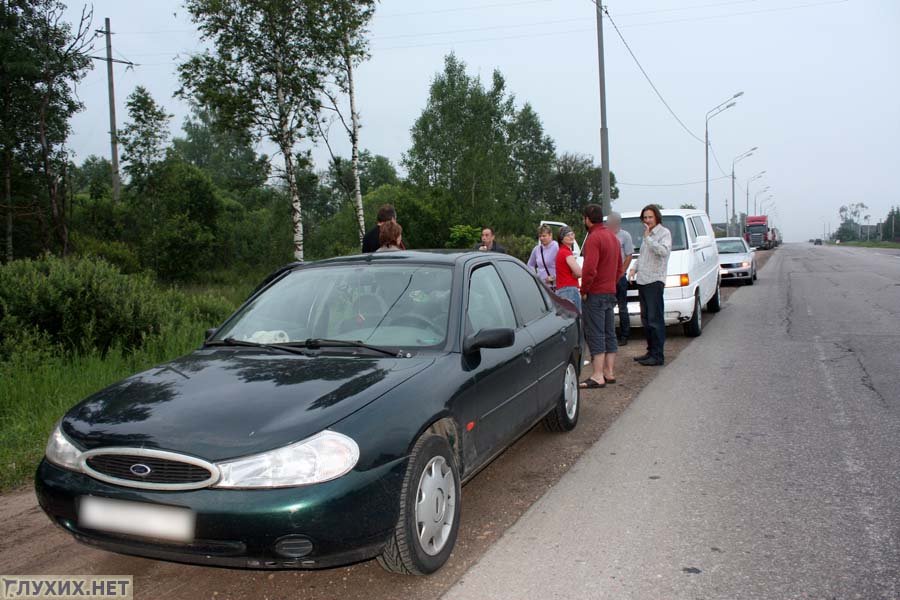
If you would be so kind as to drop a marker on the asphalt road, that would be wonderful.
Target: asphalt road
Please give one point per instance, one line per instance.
(761, 463)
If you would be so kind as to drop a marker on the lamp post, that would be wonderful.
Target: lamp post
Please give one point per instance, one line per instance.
(734, 162)
(719, 108)
(756, 195)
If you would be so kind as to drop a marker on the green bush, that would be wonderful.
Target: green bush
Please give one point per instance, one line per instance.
(116, 253)
(519, 246)
(86, 304)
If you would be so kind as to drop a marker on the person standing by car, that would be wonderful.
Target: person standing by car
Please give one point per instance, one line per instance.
(601, 270)
(614, 222)
(650, 276)
(488, 244)
(390, 237)
(371, 241)
(567, 268)
(543, 256)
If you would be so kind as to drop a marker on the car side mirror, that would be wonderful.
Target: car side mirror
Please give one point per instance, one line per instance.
(498, 337)
(211, 332)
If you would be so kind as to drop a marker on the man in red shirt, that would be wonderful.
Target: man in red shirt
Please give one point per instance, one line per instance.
(600, 272)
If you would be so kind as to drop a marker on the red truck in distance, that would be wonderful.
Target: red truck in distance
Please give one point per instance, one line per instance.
(757, 232)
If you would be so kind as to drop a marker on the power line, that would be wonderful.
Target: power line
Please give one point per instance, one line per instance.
(736, 14)
(463, 9)
(683, 8)
(671, 184)
(647, 77)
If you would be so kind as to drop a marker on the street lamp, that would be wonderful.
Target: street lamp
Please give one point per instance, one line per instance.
(762, 205)
(719, 108)
(755, 196)
(734, 162)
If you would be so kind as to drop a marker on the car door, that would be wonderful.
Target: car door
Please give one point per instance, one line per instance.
(706, 258)
(505, 378)
(550, 332)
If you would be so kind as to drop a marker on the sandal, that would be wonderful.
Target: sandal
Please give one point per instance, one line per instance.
(590, 384)
(610, 379)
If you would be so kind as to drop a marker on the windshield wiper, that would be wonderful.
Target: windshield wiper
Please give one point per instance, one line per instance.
(230, 341)
(316, 343)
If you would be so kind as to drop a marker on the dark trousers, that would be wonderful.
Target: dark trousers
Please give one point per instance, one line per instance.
(653, 318)
(622, 301)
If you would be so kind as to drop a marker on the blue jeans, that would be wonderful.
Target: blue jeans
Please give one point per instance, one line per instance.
(622, 301)
(571, 294)
(653, 318)
(600, 323)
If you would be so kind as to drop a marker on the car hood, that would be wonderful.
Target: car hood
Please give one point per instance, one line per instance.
(728, 259)
(218, 404)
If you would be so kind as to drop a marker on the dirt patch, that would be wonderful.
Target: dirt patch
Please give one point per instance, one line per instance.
(491, 502)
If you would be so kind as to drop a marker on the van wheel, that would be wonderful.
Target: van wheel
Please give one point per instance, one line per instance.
(715, 303)
(564, 416)
(429, 510)
(694, 327)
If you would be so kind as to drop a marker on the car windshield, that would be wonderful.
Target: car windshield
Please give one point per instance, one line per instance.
(731, 247)
(384, 305)
(756, 228)
(675, 225)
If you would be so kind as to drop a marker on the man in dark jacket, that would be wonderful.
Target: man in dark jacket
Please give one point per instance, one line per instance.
(488, 244)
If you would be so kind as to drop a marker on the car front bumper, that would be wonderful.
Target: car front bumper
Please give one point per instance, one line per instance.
(338, 522)
(735, 273)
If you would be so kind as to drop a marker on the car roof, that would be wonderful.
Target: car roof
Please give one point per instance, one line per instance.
(435, 256)
(675, 212)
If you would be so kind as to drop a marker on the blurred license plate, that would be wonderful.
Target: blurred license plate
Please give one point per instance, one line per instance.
(134, 518)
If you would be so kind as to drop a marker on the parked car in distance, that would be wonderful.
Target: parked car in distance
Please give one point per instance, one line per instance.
(817, 242)
(692, 280)
(737, 261)
(331, 419)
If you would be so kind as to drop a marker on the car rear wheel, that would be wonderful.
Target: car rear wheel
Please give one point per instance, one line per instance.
(694, 327)
(564, 416)
(429, 510)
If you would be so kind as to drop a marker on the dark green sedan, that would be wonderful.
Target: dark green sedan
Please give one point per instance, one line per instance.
(331, 419)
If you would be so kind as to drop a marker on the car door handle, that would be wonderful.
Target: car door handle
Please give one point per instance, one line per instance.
(528, 353)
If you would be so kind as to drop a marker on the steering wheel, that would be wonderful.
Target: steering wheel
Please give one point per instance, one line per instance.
(416, 321)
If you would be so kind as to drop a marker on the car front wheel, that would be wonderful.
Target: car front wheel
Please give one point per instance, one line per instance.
(564, 416)
(429, 510)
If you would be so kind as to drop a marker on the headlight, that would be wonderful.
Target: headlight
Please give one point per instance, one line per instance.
(680, 280)
(61, 452)
(745, 264)
(324, 456)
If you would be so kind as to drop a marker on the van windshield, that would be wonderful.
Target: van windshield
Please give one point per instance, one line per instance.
(675, 225)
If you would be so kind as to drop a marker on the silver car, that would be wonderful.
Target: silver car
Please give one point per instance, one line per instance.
(737, 261)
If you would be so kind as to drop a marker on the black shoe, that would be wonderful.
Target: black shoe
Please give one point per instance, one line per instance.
(641, 357)
(651, 362)
(622, 341)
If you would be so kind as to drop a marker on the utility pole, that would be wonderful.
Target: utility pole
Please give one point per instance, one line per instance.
(604, 134)
(727, 224)
(113, 136)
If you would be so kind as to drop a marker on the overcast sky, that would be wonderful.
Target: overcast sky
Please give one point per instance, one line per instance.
(821, 83)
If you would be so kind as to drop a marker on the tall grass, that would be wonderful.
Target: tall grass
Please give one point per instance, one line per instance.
(37, 387)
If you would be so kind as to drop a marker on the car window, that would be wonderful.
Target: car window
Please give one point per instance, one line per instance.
(731, 247)
(675, 225)
(699, 225)
(393, 305)
(692, 230)
(489, 304)
(524, 288)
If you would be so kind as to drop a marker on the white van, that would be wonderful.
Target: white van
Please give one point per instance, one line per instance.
(693, 276)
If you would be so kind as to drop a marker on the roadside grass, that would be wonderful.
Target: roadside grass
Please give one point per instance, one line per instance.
(872, 244)
(38, 385)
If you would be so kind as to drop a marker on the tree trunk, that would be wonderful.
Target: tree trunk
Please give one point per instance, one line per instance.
(286, 144)
(354, 138)
(7, 191)
(58, 215)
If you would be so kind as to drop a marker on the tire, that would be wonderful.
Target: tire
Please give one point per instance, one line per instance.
(564, 416)
(715, 303)
(751, 279)
(754, 275)
(694, 327)
(429, 510)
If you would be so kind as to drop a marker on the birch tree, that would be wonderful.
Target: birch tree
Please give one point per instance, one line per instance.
(266, 70)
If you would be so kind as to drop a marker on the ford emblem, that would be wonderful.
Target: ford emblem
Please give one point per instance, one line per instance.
(140, 470)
